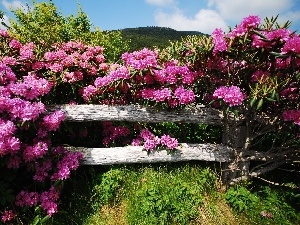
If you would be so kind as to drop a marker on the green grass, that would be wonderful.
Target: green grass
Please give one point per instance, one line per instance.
(181, 193)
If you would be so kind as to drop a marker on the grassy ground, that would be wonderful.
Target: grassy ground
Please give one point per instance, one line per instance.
(185, 193)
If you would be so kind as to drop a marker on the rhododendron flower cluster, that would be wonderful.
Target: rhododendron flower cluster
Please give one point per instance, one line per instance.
(7, 216)
(292, 45)
(25, 126)
(118, 74)
(292, 115)
(247, 23)
(112, 133)
(140, 59)
(151, 142)
(231, 95)
(219, 41)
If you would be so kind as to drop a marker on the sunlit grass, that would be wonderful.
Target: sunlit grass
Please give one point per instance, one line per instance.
(182, 193)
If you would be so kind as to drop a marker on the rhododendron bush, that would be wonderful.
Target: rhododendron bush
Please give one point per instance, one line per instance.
(250, 73)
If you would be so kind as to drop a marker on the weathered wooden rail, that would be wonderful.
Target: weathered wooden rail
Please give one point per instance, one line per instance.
(135, 154)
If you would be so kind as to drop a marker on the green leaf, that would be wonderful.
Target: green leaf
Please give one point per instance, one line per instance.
(260, 103)
(252, 101)
(271, 100)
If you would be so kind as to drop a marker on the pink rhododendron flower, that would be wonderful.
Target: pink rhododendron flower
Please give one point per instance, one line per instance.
(88, 92)
(292, 115)
(25, 110)
(146, 134)
(260, 76)
(151, 144)
(161, 95)
(6, 75)
(168, 141)
(184, 96)
(49, 200)
(52, 121)
(147, 93)
(231, 95)
(41, 170)
(14, 162)
(72, 77)
(31, 87)
(7, 216)
(26, 51)
(142, 59)
(220, 44)
(15, 44)
(25, 198)
(291, 45)
(69, 162)
(38, 150)
(246, 24)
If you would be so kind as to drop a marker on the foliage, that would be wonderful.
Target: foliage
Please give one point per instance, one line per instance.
(157, 188)
(35, 167)
(169, 200)
(266, 206)
(44, 25)
(252, 72)
(153, 37)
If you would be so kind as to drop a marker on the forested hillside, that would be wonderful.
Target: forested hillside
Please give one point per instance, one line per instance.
(160, 37)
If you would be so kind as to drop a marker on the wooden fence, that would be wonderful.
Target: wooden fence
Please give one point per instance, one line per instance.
(134, 154)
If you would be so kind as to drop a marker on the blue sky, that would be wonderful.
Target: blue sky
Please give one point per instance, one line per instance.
(188, 15)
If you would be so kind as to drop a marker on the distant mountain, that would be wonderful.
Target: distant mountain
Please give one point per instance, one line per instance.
(160, 37)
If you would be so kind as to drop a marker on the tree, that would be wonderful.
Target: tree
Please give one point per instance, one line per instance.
(44, 25)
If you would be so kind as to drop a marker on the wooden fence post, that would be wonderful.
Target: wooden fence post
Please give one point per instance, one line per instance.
(236, 137)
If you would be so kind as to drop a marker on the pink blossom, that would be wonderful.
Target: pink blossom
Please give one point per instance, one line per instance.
(219, 42)
(38, 150)
(184, 96)
(161, 95)
(292, 45)
(136, 142)
(26, 51)
(142, 59)
(69, 162)
(231, 95)
(55, 67)
(246, 24)
(151, 144)
(4, 33)
(7, 216)
(9, 61)
(52, 121)
(6, 75)
(260, 76)
(42, 170)
(48, 201)
(292, 115)
(72, 77)
(24, 110)
(31, 87)
(88, 92)
(168, 141)
(147, 93)
(25, 198)
(146, 134)
(15, 44)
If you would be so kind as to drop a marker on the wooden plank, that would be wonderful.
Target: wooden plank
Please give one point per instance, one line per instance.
(135, 154)
(135, 113)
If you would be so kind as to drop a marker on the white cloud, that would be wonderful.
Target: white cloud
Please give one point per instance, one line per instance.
(236, 10)
(204, 21)
(6, 21)
(15, 4)
(160, 2)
